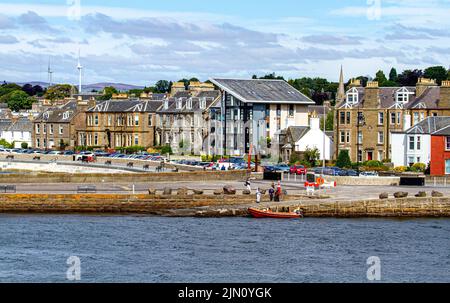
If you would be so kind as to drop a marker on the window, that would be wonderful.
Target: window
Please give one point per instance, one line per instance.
(410, 161)
(50, 129)
(44, 129)
(422, 116)
(342, 137)
(291, 110)
(38, 143)
(412, 142)
(179, 104)
(416, 118)
(419, 143)
(38, 128)
(136, 120)
(380, 118)
(96, 139)
(447, 167)
(447, 143)
(360, 137)
(399, 118)
(109, 120)
(380, 155)
(352, 96)
(349, 117)
(402, 96)
(166, 104)
(342, 117)
(278, 110)
(150, 117)
(203, 103)
(96, 120)
(189, 104)
(129, 120)
(136, 140)
(380, 137)
(393, 118)
(348, 137)
(61, 129)
(360, 156)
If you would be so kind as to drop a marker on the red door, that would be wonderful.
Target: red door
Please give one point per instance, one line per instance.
(369, 156)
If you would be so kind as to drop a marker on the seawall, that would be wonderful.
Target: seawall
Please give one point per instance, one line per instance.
(218, 206)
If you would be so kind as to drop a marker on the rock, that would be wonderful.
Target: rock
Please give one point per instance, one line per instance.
(401, 194)
(246, 192)
(384, 196)
(229, 190)
(183, 191)
(152, 191)
(218, 192)
(421, 194)
(436, 194)
(198, 192)
(167, 191)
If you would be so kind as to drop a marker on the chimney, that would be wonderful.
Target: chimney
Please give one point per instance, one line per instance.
(314, 121)
(444, 97)
(406, 121)
(355, 83)
(423, 84)
(372, 95)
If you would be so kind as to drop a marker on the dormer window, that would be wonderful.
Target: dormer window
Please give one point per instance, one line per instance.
(65, 115)
(179, 103)
(402, 96)
(352, 96)
(202, 103)
(189, 104)
(166, 104)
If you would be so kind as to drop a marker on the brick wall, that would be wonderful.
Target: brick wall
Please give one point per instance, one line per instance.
(438, 155)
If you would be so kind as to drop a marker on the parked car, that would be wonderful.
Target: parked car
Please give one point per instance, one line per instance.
(269, 168)
(298, 170)
(368, 174)
(282, 168)
(352, 173)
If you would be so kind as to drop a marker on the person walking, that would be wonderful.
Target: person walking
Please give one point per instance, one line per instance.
(278, 192)
(258, 195)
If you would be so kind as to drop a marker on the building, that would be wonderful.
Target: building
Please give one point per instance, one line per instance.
(16, 130)
(185, 123)
(440, 152)
(58, 127)
(414, 145)
(254, 113)
(367, 116)
(299, 138)
(120, 123)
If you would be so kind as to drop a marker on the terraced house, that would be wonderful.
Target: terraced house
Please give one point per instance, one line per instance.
(57, 128)
(366, 116)
(120, 123)
(185, 123)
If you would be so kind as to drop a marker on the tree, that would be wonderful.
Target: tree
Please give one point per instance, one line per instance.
(59, 91)
(329, 121)
(343, 159)
(381, 78)
(438, 73)
(108, 91)
(393, 75)
(162, 86)
(18, 100)
(311, 155)
(24, 145)
(409, 77)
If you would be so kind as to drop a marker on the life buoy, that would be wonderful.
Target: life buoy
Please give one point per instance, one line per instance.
(320, 181)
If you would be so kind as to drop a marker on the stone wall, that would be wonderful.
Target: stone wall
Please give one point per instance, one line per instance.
(364, 181)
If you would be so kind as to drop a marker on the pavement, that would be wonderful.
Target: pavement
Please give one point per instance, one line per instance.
(347, 193)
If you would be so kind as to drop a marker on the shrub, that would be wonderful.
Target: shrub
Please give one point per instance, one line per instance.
(400, 169)
(418, 167)
(166, 150)
(24, 145)
(343, 159)
(294, 158)
(373, 163)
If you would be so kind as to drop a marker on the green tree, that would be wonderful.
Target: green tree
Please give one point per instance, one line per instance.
(343, 159)
(162, 86)
(329, 121)
(393, 75)
(59, 91)
(381, 78)
(438, 73)
(18, 100)
(166, 150)
(311, 155)
(108, 92)
(24, 145)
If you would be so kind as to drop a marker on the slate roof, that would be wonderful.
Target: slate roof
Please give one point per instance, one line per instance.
(319, 109)
(22, 124)
(159, 96)
(5, 124)
(443, 132)
(430, 125)
(209, 94)
(183, 94)
(118, 106)
(297, 132)
(56, 115)
(262, 91)
(429, 97)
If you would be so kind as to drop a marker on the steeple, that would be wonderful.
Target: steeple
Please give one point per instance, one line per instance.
(341, 90)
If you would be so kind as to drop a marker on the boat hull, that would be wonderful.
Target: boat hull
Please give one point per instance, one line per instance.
(257, 213)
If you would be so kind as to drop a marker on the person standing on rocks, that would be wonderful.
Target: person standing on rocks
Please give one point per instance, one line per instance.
(258, 195)
(278, 192)
(271, 193)
(247, 184)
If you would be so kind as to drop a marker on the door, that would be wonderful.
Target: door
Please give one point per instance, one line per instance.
(369, 156)
(447, 167)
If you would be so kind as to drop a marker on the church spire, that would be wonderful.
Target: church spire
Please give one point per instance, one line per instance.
(341, 91)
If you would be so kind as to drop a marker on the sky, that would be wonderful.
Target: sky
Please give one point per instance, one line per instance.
(139, 42)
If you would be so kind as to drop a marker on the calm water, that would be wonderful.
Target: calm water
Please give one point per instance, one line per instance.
(149, 249)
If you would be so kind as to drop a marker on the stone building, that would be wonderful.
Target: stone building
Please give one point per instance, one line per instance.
(58, 127)
(120, 123)
(185, 123)
(367, 116)
(16, 130)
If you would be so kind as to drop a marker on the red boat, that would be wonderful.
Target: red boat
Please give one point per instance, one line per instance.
(267, 213)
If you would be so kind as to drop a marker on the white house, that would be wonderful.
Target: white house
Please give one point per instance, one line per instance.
(16, 130)
(414, 145)
(300, 138)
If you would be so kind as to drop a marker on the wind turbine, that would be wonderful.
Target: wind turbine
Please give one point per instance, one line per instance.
(49, 73)
(80, 70)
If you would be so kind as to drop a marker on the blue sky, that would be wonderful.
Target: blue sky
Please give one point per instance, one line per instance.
(141, 42)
